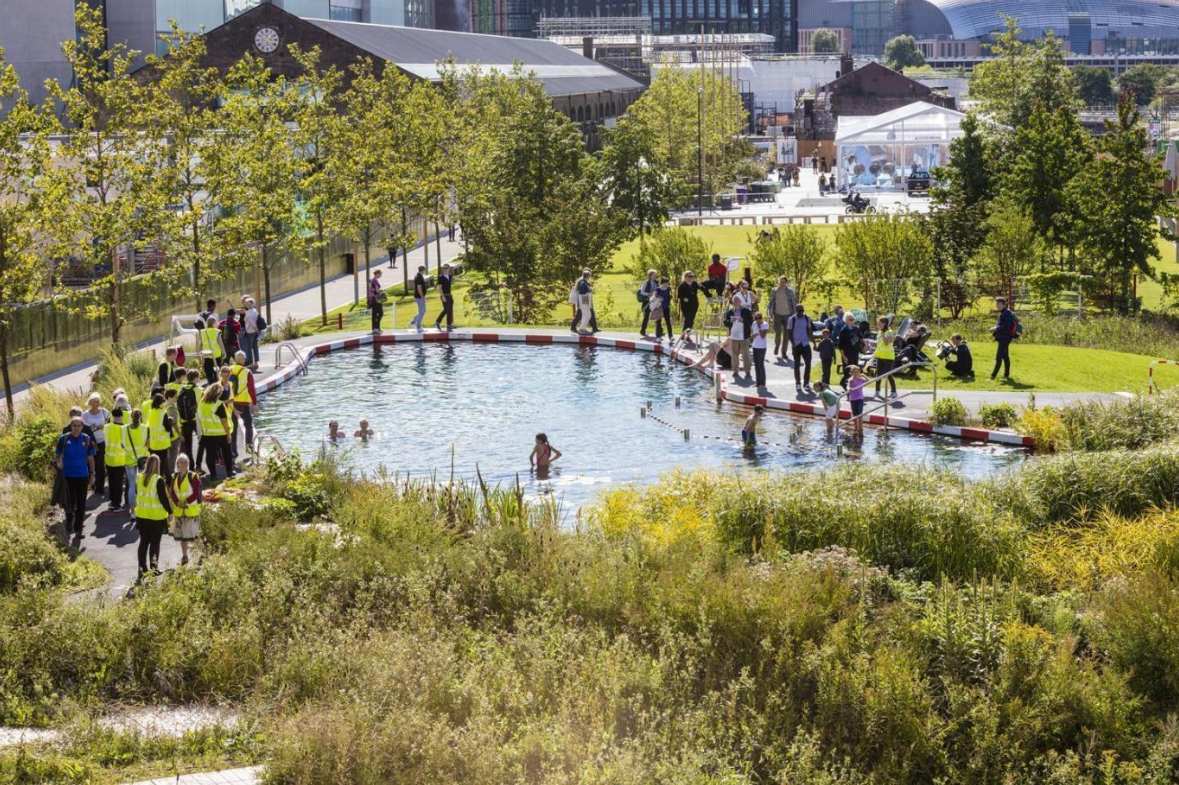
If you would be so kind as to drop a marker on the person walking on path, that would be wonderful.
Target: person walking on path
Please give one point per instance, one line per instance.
(419, 298)
(95, 418)
(213, 419)
(152, 509)
(849, 347)
(760, 342)
(688, 293)
(115, 458)
(211, 348)
(661, 309)
(799, 329)
(230, 330)
(376, 301)
(184, 492)
(445, 279)
(585, 302)
(136, 453)
(74, 457)
(160, 428)
(245, 396)
(646, 292)
(166, 370)
(251, 332)
(826, 356)
(209, 315)
(1004, 332)
(186, 409)
(782, 303)
(886, 355)
(225, 382)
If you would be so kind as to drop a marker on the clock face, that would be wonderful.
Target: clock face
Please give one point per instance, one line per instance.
(266, 40)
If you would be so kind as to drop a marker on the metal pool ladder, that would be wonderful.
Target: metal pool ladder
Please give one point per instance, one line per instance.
(302, 361)
(839, 423)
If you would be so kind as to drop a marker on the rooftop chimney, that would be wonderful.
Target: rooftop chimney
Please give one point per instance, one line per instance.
(587, 47)
(846, 66)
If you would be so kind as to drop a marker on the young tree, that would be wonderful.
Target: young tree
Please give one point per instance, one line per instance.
(115, 199)
(1014, 247)
(1143, 81)
(1020, 76)
(1093, 84)
(902, 52)
(885, 252)
(637, 185)
(254, 169)
(320, 139)
(180, 138)
(24, 194)
(796, 251)
(1119, 202)
(824, 41)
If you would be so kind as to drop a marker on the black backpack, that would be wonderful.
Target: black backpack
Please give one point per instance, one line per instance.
(729, 318)
(186, 403)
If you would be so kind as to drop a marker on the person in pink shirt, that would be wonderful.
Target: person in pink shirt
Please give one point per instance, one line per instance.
(855, 396)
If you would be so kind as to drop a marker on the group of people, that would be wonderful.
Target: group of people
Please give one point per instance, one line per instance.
(220, 339)
(377, 297)
(144, 457)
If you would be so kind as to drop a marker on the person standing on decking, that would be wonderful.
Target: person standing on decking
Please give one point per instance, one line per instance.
(646, 292)
(585, 302)
(739, 344)
(688, 294)
(849, 346)
(251, 332)
(74, 456)
(445, 280)
(419, 299)
(885, 354)
(376, 301)
(782, 302)
(230, 329)
(826, 356)
(245, 396)
(800, 328)
(1004, 332)
(760, 342)
(210, 347)
(834, 323)
(661, 308)
(213, 417)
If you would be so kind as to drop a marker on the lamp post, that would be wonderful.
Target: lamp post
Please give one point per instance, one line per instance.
(700, 150)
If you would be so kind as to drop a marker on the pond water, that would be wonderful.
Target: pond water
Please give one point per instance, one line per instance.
(480, 405)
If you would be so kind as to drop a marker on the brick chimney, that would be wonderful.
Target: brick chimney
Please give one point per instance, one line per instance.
(587, 47)
(846, 66)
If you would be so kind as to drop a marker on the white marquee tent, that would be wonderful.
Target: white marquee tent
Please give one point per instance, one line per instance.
(882, 150)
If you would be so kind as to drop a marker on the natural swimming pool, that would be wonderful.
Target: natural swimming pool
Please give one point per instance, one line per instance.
(488, 400)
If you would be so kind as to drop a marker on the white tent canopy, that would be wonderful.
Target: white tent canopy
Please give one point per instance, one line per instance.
(882, 150)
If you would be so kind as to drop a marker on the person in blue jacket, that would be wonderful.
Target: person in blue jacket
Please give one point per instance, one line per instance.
(1004, 332)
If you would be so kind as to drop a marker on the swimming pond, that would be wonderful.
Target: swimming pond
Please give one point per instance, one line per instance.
(481, 405)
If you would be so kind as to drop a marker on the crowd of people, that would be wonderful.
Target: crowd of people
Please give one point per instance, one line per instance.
(143, 457)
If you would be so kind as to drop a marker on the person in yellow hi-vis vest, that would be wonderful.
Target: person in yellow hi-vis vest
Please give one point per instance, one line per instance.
(210, 346)
(185, 492)
(886, 355)
(245, 395)
(214, 420)
(136, 453)
(115, 457)
(152, 510)
(160, 429)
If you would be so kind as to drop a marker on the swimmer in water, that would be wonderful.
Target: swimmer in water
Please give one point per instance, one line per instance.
(749, 430)
(364, 433)
(334, 433)
(543, 455)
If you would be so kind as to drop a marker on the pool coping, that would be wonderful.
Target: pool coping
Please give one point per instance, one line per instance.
(1009, 438)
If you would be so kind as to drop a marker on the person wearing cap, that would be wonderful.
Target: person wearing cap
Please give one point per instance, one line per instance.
(585, 301)
(444, 282)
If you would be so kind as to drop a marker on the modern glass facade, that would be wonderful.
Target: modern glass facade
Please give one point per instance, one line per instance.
(872, 25)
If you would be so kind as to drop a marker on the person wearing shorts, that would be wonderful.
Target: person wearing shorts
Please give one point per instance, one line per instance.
(856, 383)
(830, 405)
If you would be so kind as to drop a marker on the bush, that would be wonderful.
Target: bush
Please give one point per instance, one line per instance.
(998, 415)
(948, 411)
(1094, 426)
(36, 446)
(1046, 427)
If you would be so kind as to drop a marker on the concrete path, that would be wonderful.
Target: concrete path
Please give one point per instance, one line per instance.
(248, 776)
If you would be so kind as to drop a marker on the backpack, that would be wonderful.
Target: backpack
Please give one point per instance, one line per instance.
(1017, 329)
(260, 322)
(186, 404)
(728, 319)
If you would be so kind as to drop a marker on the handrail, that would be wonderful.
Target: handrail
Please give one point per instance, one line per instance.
(295, 351)
(261, 438)
(839, 398)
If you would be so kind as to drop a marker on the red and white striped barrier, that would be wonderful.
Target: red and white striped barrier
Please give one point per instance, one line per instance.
(734, 396)
(1150, 385)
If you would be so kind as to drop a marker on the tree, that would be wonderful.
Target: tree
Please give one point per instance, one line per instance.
(637, 185)
(180, 138)
(901, 52)
(796, 251)
(884, 251)
(23, 163)
(114, 197)
(824, 41)
(1050, 149)
(1020, 76)
(254, 169)
(1143, 81)
(671, 249)
(1119, 201)
(968, 176)
(1094, 85)
(1014, 247)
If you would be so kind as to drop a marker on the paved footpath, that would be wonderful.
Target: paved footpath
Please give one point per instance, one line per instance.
(248, 776)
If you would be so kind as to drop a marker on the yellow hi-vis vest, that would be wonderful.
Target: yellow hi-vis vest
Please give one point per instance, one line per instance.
(136, 444)
(209, 342)
(182, 487)
(116, 444)
(241, 384)
(884, 348)
(210, 422)
(147, 498)
(158, 437)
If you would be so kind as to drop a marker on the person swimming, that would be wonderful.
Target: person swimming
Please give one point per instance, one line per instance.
(364, 433)
(543, 454)
(334, 433)
(749, 430)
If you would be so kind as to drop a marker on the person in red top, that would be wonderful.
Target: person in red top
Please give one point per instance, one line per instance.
(718, 275)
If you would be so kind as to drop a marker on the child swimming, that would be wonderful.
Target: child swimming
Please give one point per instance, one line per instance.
(543, 454)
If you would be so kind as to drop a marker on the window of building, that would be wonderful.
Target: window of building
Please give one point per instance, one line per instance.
(343, 13)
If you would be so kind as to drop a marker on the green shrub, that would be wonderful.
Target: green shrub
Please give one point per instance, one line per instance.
(948, 411)
(1045, 426)
(1137, 625)
(998, 415)
(1125, 424)
(36, 444)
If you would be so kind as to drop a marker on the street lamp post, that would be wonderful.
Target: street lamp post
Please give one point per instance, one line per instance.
(700, 150)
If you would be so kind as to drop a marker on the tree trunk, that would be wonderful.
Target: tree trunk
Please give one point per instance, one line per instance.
(4, 372)
(367, 260)
(266, 283)
(322, 268)
(404, 250)
(116, 322)
(438, 234)
(426, 243)
(196, 262)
